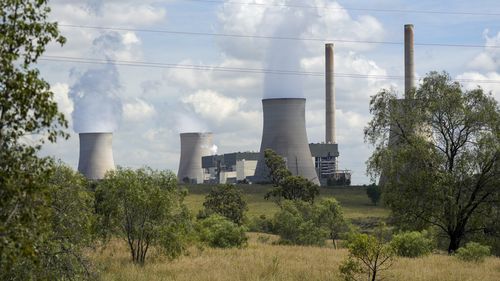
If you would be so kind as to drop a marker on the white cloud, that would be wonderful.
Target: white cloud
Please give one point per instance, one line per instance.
(137, 110)
(213, 106)
(489, 59)
(476, 77)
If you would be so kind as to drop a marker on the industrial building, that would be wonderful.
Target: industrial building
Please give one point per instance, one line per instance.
(239, 167)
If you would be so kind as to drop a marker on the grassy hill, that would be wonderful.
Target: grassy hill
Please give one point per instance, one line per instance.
(353, 199)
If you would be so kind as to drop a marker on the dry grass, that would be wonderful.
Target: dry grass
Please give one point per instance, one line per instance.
(263, 261)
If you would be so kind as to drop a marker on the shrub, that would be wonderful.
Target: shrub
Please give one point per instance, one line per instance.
(368, 256)
(219, 232)
(374, 193)
(261, 224)
(473, 252)
(296, 224)
(412, 244)
(225, 200)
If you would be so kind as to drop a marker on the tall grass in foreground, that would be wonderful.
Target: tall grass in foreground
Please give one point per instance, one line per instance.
(264, 261)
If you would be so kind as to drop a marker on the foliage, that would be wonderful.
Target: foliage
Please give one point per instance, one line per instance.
(331, 217)
(261, 224)
(225, 200)
(368, 256)
(297, 223)
(412, 244)
(287, 186)
(219, 232)
(28, 117)
(473, 252)
(439, 155)
(145, 207)
(276, 166)
(374, 193)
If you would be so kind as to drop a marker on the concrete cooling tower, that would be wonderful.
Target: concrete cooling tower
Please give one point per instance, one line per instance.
(96, 155)
(193, 147)
(285, 132)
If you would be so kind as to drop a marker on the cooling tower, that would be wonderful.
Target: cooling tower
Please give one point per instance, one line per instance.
(193, 147)
(285, 132)
(96, 155)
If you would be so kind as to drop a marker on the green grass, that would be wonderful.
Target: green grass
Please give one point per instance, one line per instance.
(353, 199)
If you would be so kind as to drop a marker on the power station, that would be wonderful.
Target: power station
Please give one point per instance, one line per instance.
(96, 155)
(284, 131)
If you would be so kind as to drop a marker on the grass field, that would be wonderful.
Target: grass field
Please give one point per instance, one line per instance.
(263, 261)
(354, 200)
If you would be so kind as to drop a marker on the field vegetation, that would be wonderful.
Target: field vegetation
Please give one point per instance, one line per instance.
(262, 260)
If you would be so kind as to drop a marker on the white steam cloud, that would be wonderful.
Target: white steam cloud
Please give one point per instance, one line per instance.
(286, 54)
(97, 105)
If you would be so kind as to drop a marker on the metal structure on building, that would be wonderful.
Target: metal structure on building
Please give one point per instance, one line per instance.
(96, 155)
(229, 168)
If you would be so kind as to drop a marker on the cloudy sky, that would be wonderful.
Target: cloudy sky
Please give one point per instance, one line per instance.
(151, 69)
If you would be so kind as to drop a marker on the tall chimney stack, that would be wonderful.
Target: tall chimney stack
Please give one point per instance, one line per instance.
(96, 155)
(409, 61)
(330, 136)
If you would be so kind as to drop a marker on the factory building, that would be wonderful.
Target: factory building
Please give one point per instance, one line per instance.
(240, 167)
(229, 168)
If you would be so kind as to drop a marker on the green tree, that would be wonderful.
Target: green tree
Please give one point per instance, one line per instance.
(276, 166)
(27, 111)
(374, 193)
(225, 200)
(219, 232)
(412, 244)
(297, 223)
(442, 167)
(331, 217)
(369, 255)
(287, 186)
(145, 207)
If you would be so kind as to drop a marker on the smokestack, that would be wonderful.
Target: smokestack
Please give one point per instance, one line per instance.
(285, 132)
(96, 155)
(193, 147)
(330, 136)
(409, 61)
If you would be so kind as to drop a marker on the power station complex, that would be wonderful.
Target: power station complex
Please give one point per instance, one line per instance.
(284, 131)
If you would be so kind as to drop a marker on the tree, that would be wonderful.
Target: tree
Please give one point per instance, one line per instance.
(28, 117)
(297, 223)
(369, 255)
(443, 165)
(226, 200)
(374, 193)
(219, 232)
(287, 186)
(145, 207)
(331, 217)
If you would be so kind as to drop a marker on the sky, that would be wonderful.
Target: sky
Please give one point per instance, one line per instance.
(139, 68)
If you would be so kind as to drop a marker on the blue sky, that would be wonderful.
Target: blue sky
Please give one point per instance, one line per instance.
(149, 106)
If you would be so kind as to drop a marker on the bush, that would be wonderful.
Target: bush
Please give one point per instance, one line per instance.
(369, 255)
(261, 224)
(225, 200)
(219, 232)
(374, 193)
(412, 244)
(296, 224)
(473, 252)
